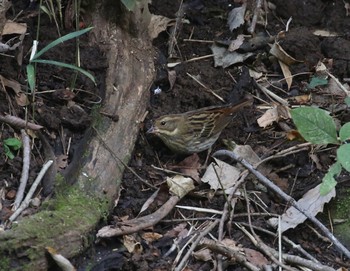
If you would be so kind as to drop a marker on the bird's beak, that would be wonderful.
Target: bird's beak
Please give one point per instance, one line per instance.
(152, 130)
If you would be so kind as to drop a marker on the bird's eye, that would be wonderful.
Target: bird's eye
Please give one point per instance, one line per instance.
(162, 123)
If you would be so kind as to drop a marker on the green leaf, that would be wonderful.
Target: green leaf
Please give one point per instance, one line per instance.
(31, 77)
(344, 132)
(65, 65)
(61, 40)
(317, 81)
(347, 101)
(343, 156)
(129, 4)
(8, 152)
(315, 125)
(328, 181)
(14, 143)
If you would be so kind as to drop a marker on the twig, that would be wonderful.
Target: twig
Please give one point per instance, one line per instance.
(25, 170)
(289, 242)
(173, 64)
(341, 248)
(233, 255)
(272, 95)
(295, 260)
(178, 23)
(194, 245)
(137, 224)
(20, 123)
(27, 199)
(251, 28)
(205, 87)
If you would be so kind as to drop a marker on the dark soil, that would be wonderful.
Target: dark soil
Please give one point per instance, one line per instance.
(64, 122)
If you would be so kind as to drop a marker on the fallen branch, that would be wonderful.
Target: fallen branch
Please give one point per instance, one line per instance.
(25, 170)
(27, 199)
(340, 247)
(137, 224)
(20, 123)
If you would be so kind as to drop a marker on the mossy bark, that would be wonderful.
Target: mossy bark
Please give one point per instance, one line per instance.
(68, 221)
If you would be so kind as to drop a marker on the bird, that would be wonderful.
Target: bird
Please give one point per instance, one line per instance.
(197, 130)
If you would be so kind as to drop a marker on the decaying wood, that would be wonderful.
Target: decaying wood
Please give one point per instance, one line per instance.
(94, 174)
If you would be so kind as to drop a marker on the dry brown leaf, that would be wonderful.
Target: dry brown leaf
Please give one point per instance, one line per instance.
(220, 175)
(171, 78)
(311, 201)
(255, 257)
(277, 51)
(286, 73)
(157, 25)
(14, 28)
(190, 166)
(180, 185)
(151, 236)
(131, 244)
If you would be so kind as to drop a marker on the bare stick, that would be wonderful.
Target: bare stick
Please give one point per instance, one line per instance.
(25, 170)
(27, 199)
(205, 87)
(251, 29)
(17, 122)
(182, 264)
(340, 247)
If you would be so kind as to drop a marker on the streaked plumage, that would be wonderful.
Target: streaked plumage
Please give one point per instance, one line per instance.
(197, 130)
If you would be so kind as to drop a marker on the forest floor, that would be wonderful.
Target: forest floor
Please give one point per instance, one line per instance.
(198, 81)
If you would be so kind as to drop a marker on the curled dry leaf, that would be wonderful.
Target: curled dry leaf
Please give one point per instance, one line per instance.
(157, 25)
(273, 115)
(180, 185)
(131, 244)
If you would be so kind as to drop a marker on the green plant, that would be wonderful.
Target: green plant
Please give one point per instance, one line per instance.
(35, 58)
(129, 4)
(318, 127)
(50, 9)
(11, 144)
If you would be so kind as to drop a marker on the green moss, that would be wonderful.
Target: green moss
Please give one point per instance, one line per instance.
(341, 211)
(68, 213)
(5, 264)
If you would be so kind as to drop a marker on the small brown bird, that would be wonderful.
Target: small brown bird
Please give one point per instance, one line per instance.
(197, 130)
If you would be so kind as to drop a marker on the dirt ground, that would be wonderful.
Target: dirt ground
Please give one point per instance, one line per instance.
(206, 22)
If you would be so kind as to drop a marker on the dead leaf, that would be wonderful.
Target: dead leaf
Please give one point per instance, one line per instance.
(14, 28)
(190, 166)
(131, 244)
(203, 255)
(224, 58)
(14, 85)
(286, 73)
(180, 185)
(312, 202)
(274, 115)
(277, 51)
(151, 236)
(255, 257)
(235, 44)
(220, 175)
(236, 17)
(157, 25)
(63, 263)
(171, 78)
(269, 117)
